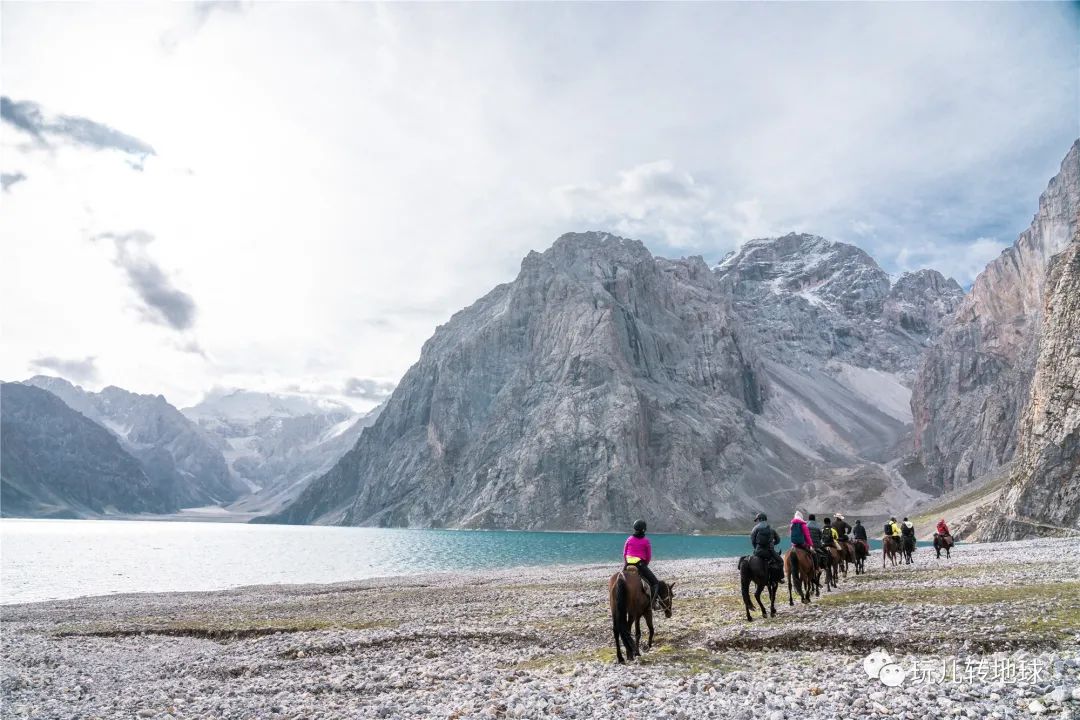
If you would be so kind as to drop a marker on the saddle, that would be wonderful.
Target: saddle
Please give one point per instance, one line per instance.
(631, 569)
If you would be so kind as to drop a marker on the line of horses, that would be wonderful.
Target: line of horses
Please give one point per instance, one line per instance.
(628, 596)
(805, 575)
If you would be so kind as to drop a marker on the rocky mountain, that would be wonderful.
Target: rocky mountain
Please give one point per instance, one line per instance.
(839, 343)
(976, 379)
(55, 462)
(274, 443)
(603, 380)
(1042, 495)
(173, 452)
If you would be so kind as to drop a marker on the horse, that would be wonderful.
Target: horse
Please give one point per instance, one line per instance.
(847, 547)
(758, 569)
(835, 565)
(629, 602)
(907, 548)
(890, 547)
(862, 551)
(799, 567)
(942, 542)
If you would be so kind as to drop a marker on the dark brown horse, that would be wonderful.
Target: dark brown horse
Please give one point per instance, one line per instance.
(890, 548)
(799, 567)
(907, 548)
(835, 565)
(862, 551)
(942, 542)
(758, 570)
(629, 602)
(847, 547)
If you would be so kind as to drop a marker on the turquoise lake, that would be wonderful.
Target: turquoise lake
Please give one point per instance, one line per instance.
(55, 559)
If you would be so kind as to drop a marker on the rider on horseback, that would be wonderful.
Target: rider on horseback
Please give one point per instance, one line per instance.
(800, 536)
(859, 531)
(907, 529)
(637, 552)
(943, 529)
(821, 556)
(829, 536)
(764, 540)
(891, 528)
(841, 527)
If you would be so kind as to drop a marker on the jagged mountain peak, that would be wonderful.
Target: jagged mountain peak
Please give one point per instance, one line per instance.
(832, 275)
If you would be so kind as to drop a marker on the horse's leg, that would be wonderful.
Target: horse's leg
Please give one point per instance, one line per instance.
(648, 624)
(618, 649)
(772, 598)
(791, 600)
(757, 596)
(744, 581)
(637, 633)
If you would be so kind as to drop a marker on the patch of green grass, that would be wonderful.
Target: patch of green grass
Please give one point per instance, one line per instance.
(1061, 623)
(970, 595)
(686, 660)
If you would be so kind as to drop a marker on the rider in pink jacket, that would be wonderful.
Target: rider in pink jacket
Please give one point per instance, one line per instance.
(637, 551)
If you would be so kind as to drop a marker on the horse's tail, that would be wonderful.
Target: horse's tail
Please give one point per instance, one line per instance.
(744, 577)
(619, 614)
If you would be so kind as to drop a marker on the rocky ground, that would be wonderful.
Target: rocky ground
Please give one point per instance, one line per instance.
(537, 643)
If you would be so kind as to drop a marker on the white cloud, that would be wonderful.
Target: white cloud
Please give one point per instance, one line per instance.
(333, 180)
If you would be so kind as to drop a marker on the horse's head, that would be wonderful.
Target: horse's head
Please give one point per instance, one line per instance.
(665, 595)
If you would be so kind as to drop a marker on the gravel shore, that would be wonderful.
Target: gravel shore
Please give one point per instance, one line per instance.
(532, 643)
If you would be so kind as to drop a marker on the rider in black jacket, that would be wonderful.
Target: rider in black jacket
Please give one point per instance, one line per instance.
(765, 539)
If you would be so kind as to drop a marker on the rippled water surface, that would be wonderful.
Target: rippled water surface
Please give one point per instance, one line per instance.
(53, 559)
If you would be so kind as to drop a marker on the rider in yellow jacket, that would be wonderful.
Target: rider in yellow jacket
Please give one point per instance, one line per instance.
(894, 527)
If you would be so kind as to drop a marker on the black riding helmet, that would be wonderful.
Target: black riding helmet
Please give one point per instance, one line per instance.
(760, 517)
(639, 528)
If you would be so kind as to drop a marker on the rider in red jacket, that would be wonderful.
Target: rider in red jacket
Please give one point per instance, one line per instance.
(942, 528)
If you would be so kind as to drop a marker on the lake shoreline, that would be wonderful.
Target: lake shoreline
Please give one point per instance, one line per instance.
(536, 642)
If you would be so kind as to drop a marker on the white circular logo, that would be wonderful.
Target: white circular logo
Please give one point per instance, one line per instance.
(892, 675)
(876, 660)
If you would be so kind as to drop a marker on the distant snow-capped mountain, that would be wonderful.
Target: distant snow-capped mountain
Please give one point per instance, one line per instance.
(276, 443)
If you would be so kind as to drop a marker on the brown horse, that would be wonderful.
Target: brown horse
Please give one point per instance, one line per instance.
(862, 551)
(942, 542)
(890, 547)
(836, 564)
(799, 567)
(629, 602)
(848, 548)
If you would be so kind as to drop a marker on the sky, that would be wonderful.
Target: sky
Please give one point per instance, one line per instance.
(290, 197)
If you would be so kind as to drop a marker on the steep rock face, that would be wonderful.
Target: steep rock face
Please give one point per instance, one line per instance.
(57, 463)
(974, 382)
(277, 443)
(1043, 493)
(604, 382)
(172, 450)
